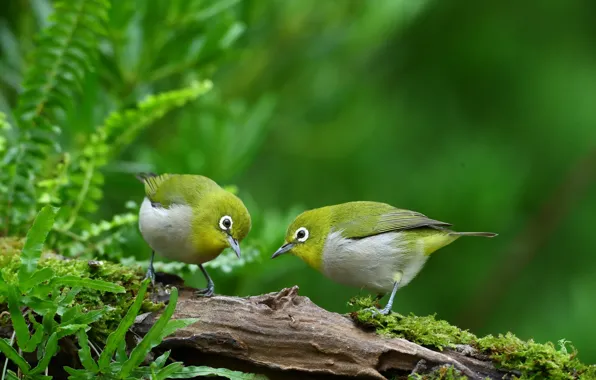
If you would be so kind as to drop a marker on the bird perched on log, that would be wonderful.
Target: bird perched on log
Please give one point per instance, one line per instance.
(190, 218)
(368, 245)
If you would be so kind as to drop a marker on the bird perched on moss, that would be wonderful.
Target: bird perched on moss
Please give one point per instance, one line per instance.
(368, 245)
(190, 218)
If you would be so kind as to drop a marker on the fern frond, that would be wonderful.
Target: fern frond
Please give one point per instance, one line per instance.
(122, 128)
(119, 129)
(97, 239)
(65, 51)
(5, 129)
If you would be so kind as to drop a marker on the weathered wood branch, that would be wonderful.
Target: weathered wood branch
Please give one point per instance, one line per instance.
(284, 336)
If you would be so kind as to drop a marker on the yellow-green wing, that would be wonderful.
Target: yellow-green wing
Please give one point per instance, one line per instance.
(362, 219)
(168, 189)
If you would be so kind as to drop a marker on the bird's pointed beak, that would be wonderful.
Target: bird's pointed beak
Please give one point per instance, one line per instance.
(283, 249)
(234, 245)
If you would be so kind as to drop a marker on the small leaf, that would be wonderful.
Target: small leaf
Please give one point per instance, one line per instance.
(102, 286)
(121, 356)
(35, 339)
(117, 336)
(41, 291)
(166, 372)
(89, 317)
(40, 306)
(189, 372)
(13, 355)
(85, 352)
(151, 339)
(18, 321)
(161, 360)
(11, 376)
(177, 324)
(69, 330)
(80, 374)
(65, 299)
(48, 321)
(49, 352)
(35, 238)
(39, 276)
(70, 314)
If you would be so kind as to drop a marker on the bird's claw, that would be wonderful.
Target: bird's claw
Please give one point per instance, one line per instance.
(151, 275)
(376, 311)
(207, 292)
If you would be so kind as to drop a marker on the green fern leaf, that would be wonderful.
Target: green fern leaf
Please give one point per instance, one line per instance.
(65, 51)
(119, 129)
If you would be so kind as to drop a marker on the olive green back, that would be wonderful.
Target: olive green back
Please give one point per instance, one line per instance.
(362, 219)
(167, 189)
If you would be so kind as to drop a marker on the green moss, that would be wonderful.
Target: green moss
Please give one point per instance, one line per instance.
(535, 359)
(426, 331)
(129, 278)
(441, 373)
(532, 360)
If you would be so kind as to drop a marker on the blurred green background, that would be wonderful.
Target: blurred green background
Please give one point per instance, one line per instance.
(481, 114)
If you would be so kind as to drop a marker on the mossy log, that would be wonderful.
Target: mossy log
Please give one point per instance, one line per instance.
(286, 336)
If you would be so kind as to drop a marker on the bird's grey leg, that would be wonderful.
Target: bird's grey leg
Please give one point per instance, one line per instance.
(387, 309)
(209, 290)
(151, 271)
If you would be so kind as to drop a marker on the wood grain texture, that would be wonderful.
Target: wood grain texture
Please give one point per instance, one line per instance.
(286, 336)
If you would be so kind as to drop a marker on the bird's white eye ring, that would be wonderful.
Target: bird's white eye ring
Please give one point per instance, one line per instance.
(301, 234)
(225, 223)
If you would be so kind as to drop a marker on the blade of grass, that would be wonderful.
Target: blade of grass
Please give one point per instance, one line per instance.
(117, 336)
(189, 372)
(177, 324)
(151, 339)
(39, 276)
(36, 237)
(49, 352)
(88, 283)
(14, 356)
(85, 352)
(166, 372)
(18, 321)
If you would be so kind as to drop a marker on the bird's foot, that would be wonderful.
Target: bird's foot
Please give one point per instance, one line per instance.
(151, 275)
(385, 311)
(207, 292)
(375, 311)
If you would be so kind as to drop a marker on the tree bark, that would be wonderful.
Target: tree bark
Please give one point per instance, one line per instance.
(286, 336)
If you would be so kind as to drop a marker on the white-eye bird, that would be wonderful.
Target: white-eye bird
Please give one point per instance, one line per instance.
(190, 218)
(368, 245)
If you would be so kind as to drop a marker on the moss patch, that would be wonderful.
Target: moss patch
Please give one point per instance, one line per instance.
(441, 373)
(426, 331)
(129, 278)
(532, 360)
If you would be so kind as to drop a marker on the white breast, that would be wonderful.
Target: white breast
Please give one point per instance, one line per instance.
(372, 263)
(167, 230)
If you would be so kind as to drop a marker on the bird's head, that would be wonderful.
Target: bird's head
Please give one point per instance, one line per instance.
(306, 235)
(223, 220)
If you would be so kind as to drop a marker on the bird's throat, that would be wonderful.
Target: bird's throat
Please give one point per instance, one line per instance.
(312, 258)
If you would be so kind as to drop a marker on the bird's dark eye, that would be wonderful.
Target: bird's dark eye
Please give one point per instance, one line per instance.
(225, 223)
(301, 234)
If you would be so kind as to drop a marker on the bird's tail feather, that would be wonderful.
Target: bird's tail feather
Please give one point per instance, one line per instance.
(143, 176)
(485, 234)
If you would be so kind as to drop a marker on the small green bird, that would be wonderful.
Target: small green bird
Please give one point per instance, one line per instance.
(190, 218)
(368, 245)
